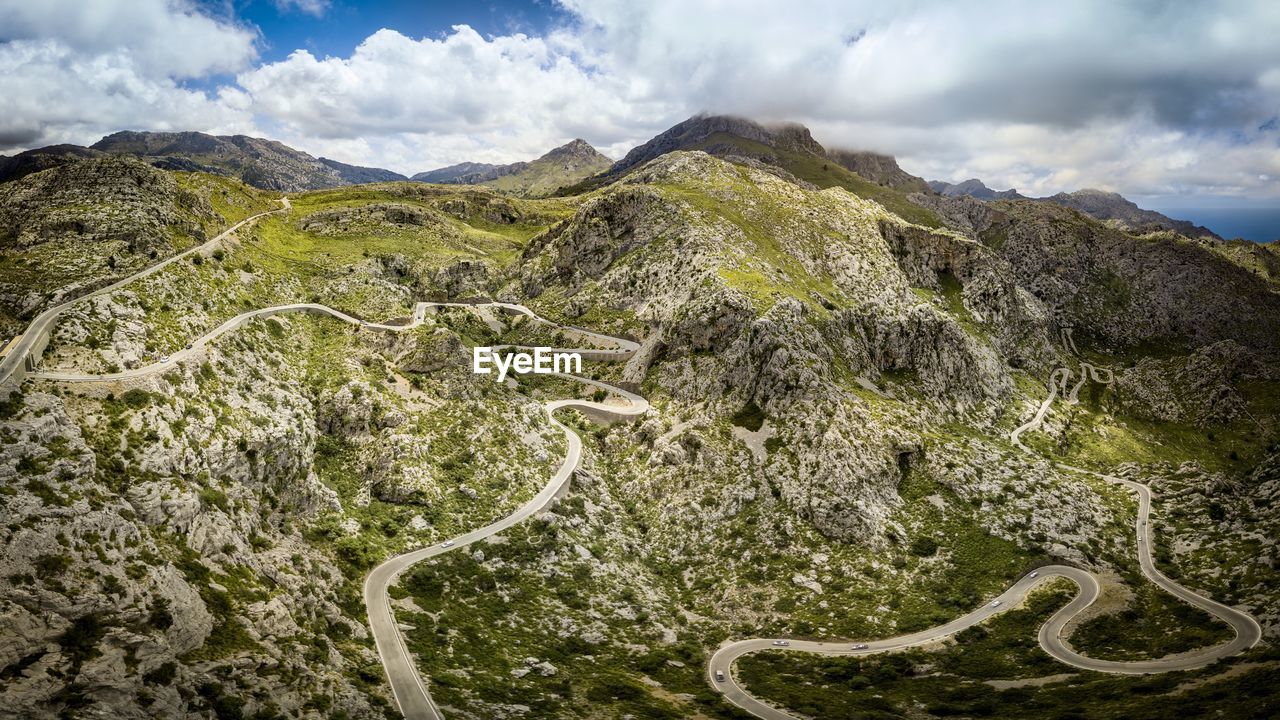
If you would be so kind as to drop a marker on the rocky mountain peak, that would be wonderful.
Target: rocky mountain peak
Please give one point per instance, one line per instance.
(975, 188)
(690, 133)
(878, 168)
(575, 153)
(1106, 205)
(266, 164)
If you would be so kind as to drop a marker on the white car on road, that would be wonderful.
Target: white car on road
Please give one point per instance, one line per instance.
(781, 643)
(447, 543)
(995, 603)
(719, 676)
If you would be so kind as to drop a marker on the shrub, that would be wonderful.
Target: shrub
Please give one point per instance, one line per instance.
(924, 546)
(52, 565)
(225, 707)
(30, 465)
(10, 406)
(136, 398)
(162, 675)
(160, 618)
(79, 642)
(212, 497)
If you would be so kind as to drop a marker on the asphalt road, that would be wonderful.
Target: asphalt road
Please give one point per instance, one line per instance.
(622, 350)
(407, 685)
(44, 321)
(1247, 630)
(411, 693)
(197, 346)
(410, 690)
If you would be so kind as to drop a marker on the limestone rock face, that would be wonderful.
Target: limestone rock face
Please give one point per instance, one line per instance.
(1117, 289)
(89, 220)
(436, 350)
(1122, 291)
(369, 217)
(262, 163)
(607, 228)
(350, 411)
(464, 279)
(676, 264)
(143, 566)
(1198, 389)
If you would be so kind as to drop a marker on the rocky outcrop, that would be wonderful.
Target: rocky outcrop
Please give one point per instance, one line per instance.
(87, 221)
(604, 230)
(658, 245)
(878, 168)
(265, 164)
(1126, 214)
(465, 279)
(963, 214)
(1198, 389)
(371, 218)
(986, 285)
(435, 350)
(160, 557)
(561, 166)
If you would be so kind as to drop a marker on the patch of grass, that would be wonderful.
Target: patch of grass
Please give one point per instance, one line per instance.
(1155, 625)
(826, 173)
(953, 681)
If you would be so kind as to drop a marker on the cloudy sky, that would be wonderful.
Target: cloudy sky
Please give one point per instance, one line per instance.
(1172, 100)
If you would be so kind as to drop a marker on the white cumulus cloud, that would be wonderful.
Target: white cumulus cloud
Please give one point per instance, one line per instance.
(74, 71)
(458, 97)
(1143, 98)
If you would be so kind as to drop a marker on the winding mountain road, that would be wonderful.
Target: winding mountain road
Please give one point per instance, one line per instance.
(1051, 635)
(407, 685)
(411, 692)
(39, 328)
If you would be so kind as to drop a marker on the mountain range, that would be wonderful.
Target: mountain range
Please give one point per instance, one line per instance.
(863, 410)
(576, 166)
(271, 165)
(565, 165)
(1099, 204)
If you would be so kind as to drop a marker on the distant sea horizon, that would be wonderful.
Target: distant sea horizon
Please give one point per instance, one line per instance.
(1256, 224)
